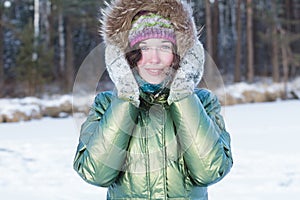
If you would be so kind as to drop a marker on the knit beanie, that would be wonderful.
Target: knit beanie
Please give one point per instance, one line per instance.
(151, 26)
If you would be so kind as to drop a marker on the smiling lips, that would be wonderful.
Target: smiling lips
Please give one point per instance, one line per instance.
(154, 71)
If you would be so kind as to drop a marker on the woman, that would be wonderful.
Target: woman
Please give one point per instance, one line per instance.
(156, 136)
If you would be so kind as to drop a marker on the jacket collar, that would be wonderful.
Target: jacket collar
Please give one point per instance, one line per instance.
(149, 99)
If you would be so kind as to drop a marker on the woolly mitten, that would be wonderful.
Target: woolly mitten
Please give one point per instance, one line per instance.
(121, 74)
(189, 74)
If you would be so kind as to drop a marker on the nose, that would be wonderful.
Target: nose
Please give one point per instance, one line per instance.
(154, 56)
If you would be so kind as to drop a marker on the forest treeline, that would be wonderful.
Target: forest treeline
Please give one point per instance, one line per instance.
(44, 42)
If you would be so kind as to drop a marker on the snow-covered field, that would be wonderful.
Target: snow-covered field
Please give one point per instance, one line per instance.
(36, 157)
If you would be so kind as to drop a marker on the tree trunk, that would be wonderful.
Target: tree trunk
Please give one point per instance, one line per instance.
(1, 53)
(215, 32)
(290, 16)
(275, 51)
(250, 66)
(275, 47)
(209, 72)
(285, 60)
(45, 13)
(208, 28)
(296, 13)
(222, 26)
(69, 74)
(52, 42)
(237, 69)
(36, 24)
(61, 36)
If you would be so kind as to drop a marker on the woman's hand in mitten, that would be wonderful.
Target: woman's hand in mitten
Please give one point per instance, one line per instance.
(121, 74)
(189, 74)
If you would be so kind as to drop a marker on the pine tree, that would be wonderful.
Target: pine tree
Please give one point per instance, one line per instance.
(75, 17)
(32, 62)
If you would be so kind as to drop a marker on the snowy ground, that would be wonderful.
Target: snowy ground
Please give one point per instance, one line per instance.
(36, 157)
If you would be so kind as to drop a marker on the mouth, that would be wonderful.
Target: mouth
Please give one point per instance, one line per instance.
(154, 71)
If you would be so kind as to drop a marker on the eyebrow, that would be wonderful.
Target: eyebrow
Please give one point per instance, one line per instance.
(166, 41)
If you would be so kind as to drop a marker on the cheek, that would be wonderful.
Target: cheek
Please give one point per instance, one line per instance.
(168, 59)
(141, 62)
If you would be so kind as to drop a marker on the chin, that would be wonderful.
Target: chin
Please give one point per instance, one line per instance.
(155, 82)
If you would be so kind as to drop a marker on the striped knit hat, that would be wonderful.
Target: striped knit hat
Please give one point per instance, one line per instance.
(151, 26)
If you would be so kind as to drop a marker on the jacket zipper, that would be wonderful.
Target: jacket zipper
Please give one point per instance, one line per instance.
(147, 154)
(164, 154)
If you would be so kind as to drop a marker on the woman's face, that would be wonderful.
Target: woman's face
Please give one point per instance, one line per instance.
(157, 57)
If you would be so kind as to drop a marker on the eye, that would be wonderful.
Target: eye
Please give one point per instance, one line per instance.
(166, 48)
(144, 48)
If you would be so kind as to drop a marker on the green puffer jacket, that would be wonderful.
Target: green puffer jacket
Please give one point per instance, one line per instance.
(155, 151)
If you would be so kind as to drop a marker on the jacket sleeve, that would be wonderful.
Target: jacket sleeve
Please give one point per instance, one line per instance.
(203, 138)
(104, 137)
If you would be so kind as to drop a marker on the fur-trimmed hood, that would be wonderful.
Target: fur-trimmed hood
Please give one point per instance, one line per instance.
(117, 18)
(116, 24)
